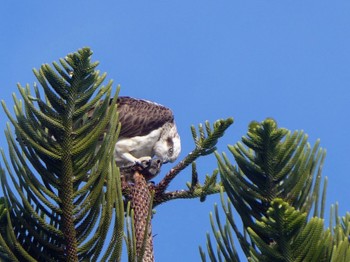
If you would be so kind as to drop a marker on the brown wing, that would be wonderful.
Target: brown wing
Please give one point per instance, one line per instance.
(140, 117)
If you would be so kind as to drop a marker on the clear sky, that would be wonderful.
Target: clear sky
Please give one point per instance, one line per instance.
(206, 60)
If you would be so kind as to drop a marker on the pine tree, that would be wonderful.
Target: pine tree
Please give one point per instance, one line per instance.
(63, 197)
(64, 200)
(275, 188)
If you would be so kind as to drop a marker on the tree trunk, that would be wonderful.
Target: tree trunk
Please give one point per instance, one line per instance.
(140, 203)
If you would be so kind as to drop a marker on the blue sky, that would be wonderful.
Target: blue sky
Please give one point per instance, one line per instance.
(206, 60)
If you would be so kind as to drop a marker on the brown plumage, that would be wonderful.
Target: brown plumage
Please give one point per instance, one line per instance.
(145, 115)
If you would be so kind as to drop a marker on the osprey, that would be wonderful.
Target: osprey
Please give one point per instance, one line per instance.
(147, 130)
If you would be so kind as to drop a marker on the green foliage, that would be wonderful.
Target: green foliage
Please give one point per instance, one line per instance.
(223, 235)
(272, 162)
(129, 237)
(276, 190)
(290, 237)
(62, 190)
(293, 238)
(339, 246)
(205, 140)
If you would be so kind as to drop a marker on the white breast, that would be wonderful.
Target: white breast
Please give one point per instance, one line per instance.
(138, 146)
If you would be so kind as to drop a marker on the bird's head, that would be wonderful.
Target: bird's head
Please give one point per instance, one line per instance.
(168, 147)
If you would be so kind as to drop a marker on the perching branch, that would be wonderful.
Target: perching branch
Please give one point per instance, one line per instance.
(205, 144)
(194, 190)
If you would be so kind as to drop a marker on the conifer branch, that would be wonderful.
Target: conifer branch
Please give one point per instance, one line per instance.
(205, 144)
(196, 190)
(67, 186)
(275, 163)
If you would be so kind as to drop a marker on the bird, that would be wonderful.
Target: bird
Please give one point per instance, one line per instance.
(148, 132)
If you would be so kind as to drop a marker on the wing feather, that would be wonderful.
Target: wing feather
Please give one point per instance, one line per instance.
(140, 117)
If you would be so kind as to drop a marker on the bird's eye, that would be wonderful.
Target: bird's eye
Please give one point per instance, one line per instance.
(171, 151)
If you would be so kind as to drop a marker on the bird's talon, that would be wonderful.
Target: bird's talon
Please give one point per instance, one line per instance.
(143, 163)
